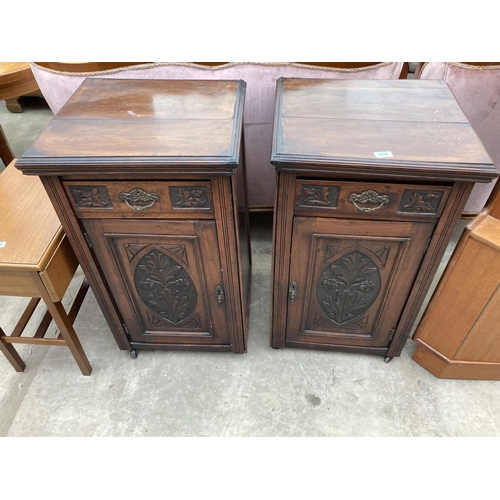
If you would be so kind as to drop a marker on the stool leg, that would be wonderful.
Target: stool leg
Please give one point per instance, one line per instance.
(65, 326)
(6, 153)
(11, 354)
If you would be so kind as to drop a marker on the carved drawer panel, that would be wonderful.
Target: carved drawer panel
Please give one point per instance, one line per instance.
(138, 199)
(369, 200)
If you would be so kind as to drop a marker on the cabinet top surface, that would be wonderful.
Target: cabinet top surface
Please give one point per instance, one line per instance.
(405, 127)
(145, 122)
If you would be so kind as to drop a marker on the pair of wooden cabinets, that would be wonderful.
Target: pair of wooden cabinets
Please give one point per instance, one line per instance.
(148, 178)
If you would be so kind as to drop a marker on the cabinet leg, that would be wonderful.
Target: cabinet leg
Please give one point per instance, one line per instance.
(133, 353)
(387, 359)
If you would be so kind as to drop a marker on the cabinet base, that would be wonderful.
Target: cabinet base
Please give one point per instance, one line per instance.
(181, 347)
(442, 367)
(379, 351)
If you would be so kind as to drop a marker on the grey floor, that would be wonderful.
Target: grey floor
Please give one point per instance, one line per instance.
(265, 392)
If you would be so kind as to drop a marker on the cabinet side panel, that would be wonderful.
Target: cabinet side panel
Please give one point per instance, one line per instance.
(282, 242)
(240, 210)
(226, 235)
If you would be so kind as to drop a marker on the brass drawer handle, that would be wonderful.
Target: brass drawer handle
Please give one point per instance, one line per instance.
(369, 196)
(138, 199)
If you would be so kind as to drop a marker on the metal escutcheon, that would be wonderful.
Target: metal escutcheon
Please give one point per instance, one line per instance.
(292, 291)
(219, 295)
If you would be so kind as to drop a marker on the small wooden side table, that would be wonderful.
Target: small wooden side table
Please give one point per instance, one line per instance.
(36, 260)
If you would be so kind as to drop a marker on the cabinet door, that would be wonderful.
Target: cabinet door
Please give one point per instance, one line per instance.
(352, 279)
(165, 277)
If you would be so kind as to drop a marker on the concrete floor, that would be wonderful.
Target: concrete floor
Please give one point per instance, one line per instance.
(266, 392)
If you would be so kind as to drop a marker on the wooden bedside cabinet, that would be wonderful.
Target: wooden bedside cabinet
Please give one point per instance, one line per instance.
(148, 179)
(372, 177)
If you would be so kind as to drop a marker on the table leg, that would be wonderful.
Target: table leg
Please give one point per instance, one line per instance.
(6, 153)
(11, 354)
(65, 326)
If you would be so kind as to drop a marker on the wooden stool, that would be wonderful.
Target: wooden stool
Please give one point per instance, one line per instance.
(36, 260)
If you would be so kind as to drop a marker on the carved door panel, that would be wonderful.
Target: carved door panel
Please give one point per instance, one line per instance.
(165, 277)
(352, 278)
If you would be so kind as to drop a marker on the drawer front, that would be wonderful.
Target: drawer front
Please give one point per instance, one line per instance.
(138, 199)
(369, 199)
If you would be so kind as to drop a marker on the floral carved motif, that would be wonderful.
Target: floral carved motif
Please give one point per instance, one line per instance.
(423, 201)
(348, 287)
(184, 197)
(319, 196)
(91, 196)
(165, 287)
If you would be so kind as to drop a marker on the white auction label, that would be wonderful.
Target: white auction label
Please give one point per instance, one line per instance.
(2, 244)
(383, 154)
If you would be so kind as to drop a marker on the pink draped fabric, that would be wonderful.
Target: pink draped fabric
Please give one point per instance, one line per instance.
(477, 90)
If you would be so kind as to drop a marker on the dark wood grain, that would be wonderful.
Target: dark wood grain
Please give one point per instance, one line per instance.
(141, 174)
(153, 200)
(321, 123)
(282, 242)
(163, 278)
(361, 237)
(376, 262)
(146, 122)
(227, 219)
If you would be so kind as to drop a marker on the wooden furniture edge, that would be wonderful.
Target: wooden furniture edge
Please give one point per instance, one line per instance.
(442, 367)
